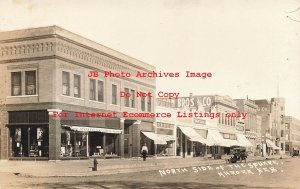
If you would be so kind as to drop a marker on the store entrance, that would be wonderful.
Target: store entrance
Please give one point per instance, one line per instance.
(96, 144)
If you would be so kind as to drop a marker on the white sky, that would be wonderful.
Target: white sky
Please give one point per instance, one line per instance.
(247, 45)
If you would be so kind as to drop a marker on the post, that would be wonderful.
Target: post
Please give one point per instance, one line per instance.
(121, 138)
(87, 145)
(104, 143)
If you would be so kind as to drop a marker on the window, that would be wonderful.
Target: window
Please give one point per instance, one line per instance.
(126, 102)
(114, 94)
(143, 103)
(92, 89)
(132, 98)
(282, 133)
(100, 91)
(16, 83)
(149, 104)
(77, 86)
(226, 136)
(222, 118)
(66, 83)
(30, 83)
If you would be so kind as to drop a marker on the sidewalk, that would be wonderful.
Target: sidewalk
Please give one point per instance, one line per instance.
(105, 167)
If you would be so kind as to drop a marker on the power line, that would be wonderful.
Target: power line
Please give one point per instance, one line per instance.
(294, 10)
(293, 19)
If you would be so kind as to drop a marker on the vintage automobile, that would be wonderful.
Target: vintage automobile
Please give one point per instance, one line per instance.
(239, 154)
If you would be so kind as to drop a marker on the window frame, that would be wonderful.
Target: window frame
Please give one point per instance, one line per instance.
(100, 91)
(92, 91)
(114, 96)
(67, 84)
(79, 85)
(13, 83)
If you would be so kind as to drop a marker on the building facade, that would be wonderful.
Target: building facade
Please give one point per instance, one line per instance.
(251, 123)
(271, 124)
(292, 134)
(214, 131)
(56, 102)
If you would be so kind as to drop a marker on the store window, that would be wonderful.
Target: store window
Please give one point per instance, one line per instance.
(77, 86)
(65, 83)
(73, 143)
(100, 91)
(29, 141)
(16, 88)
(114, 94)
(92, 89)
(30, 82)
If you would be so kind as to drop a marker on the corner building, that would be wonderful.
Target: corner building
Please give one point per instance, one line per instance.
(45, 72)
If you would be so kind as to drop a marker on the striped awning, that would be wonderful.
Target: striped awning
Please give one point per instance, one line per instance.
(93, 129)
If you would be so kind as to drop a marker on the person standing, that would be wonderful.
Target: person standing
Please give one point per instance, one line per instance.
(144, 151)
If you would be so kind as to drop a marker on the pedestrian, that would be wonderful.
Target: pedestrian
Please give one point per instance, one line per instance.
(144, 151)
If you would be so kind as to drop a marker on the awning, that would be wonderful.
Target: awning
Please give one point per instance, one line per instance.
(194, 136)
(154, 137)
(243, 141)
(166, 137)
(231, 142)
(93, 129)
(272, 145)
(218, 139)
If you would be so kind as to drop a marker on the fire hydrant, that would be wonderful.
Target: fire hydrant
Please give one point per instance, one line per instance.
(95, 167)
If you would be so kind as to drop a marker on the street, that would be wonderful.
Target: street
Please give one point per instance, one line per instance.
(280, 173)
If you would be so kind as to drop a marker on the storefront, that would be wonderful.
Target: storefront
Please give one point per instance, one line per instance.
(191, 143)
(77, 141)
(29, 135)
(271, 147)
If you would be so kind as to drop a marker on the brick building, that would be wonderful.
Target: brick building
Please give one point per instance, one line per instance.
(271, 114)
(250, 124)
(45, 84)
(292, 134)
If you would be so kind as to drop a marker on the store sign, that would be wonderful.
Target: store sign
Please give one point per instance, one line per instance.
(199, 121)
(239, 128)
(194, 101)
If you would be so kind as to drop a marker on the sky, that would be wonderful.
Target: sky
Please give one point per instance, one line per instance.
(250, 47)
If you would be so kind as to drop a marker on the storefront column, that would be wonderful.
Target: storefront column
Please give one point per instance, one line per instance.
(181, 146)
(104, 143)
(121, 138)
(136, 139)
(185, 146)
(87, 145)
(192, 149)
(54, 135)
(5, 145)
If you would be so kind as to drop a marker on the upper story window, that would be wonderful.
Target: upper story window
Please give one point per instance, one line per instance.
(132, 98)
(92, 89)
(126, 100)
(77, 86)
(65, 83)
(30, 82)
(114, 94)
(149, 104)
(16, 84)
(143, 103)
(100, 91)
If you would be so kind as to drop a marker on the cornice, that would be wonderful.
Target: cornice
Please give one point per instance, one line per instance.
(51, 36)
